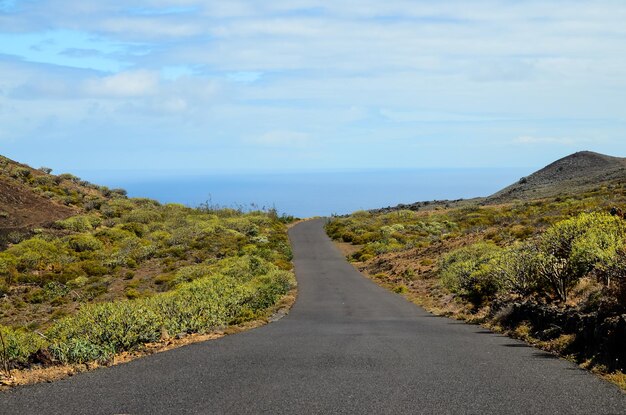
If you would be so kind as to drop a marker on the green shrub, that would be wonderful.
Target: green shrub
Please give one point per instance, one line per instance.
(93, 268)
(469, 272)
(112, 235)
(117, 207)
(574, 247)
(98, 331)
(84, 242)
(119, 192)
(8, 262)
(35, 254)
(517, 268)
(139, 229)
(44, 181)
(77, 282)
(20, 345)
(78, 223)
(132, 293)
(192, 272)
(22, 173)
(144, 216)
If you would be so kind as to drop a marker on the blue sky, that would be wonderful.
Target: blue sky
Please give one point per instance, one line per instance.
(300, 84)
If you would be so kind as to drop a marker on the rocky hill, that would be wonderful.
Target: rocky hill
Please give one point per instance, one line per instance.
(576, 173)
(35, 198)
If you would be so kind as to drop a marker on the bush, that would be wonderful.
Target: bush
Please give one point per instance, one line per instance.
(84, 242)
(144, 216)
(574, 247)
(119, 192)
(78, 223)
(7, 265)
(69, 177)
(137, 228)
(517, 268)
(22, 173)
(34, 254)
(93, 268)
(99, 331)
(20, 345)
(47, 181)
(469, 272)
(191, 273)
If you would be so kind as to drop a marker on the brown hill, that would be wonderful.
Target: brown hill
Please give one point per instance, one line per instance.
(35, 198)
(21, 208)
(579, 172)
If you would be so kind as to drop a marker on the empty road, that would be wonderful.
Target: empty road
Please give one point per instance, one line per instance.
(348, 346)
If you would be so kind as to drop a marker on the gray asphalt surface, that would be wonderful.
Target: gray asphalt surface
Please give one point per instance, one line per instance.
(348, 346)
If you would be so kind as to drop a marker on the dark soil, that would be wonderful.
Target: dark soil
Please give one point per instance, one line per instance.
(22, 210)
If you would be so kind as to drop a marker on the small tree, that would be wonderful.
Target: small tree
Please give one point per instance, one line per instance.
(574, 247)
(517, 268)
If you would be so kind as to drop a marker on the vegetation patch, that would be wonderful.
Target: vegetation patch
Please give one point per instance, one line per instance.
(104, 274)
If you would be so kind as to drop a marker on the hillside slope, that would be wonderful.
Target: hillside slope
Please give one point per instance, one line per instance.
(576, 173)
(22, 209)
(34, 198)
(87, 273)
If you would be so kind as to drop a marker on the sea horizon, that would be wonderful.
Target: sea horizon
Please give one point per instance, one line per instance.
(310, 193)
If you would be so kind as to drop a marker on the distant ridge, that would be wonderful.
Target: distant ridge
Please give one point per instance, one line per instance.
(575, 173)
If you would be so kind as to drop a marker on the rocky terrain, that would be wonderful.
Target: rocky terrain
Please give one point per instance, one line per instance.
(576, 173)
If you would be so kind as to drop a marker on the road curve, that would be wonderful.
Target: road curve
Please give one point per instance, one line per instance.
(348, 346)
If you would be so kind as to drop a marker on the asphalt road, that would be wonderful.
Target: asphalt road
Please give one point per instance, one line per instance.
(347, 346)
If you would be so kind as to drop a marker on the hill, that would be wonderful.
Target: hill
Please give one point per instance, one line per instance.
(578, 173)
(86, 272)
(574, 174)
(35, 198)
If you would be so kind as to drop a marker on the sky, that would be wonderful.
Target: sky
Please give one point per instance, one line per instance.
(286, 85)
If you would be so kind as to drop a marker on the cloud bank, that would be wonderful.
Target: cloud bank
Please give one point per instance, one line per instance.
(310, 84)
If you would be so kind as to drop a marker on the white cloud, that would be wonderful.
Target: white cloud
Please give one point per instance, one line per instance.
(151, 27)
(345, 78)
(124, 84)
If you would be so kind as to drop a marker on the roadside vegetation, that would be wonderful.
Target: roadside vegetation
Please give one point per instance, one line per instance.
(550, 271)
(122, 272)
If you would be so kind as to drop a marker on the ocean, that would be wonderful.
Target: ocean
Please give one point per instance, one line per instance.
(306, 194)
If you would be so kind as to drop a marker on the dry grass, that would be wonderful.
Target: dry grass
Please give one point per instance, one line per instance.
(617, 378)
(346, 248)
(583, 290)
